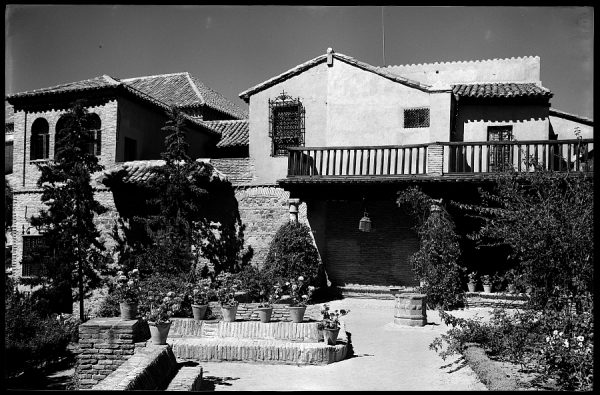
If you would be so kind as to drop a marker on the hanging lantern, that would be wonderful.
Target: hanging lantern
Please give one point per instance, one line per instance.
(365, 223)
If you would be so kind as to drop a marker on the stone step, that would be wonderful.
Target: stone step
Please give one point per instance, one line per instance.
(188, 378)
(257, 351)
(285, 331)
(370, 291)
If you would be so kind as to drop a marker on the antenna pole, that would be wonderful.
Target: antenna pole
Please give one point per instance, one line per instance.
(383, 34)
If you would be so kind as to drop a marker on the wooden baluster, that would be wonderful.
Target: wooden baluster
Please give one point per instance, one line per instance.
(577, 156)
(519, 156)
(396, 163)
(354, 164)
(472, 159)
(347, 162)
(333, 164)
(560, 156)
(368, 160)
(456, 150)
(568, 157)
(527, 156)
(544, 156)
(381, 162)
(417, 161)
(410, 150)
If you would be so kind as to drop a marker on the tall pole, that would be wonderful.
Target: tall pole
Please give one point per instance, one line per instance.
(383, 34)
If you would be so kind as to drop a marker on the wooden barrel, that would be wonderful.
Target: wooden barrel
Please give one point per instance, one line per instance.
(410, 309)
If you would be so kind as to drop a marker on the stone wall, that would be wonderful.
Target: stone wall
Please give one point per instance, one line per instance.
(105, 343)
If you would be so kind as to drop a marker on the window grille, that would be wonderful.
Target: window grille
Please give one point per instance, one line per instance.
(32, 265)
(416, 118)
(499, 155)
(286, 124)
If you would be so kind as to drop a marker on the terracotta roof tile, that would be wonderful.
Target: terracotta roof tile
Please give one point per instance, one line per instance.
(89, 84)
(499, 89)
(233, 133)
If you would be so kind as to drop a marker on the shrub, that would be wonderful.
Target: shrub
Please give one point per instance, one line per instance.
(437, 260)
(159, 284)
(109, 306)
(32, 339)
(258, 284)
(292, 253)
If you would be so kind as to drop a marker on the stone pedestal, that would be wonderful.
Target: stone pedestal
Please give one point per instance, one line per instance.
(410, 308)
(106, 343)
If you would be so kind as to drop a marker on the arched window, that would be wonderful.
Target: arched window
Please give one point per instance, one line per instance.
(40, 139)
(94, 126)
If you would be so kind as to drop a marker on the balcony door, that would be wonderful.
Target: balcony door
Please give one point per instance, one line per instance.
(499, 158)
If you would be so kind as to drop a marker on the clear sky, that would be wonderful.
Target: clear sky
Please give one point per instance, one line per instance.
(234, 48)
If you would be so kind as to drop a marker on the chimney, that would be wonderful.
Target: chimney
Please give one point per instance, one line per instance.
(329, 57)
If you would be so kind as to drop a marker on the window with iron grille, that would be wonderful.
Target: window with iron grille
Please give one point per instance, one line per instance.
(32, 261)
(416, 118)
(286, 124)
(499, 155)
(40, 139)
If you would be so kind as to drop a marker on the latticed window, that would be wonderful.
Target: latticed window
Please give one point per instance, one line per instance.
(499, 155)
(40, 139)
(416, 118)
(286, 124)
(32, 265)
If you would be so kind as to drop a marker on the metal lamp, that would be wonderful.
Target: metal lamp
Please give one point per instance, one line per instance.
(365, 223)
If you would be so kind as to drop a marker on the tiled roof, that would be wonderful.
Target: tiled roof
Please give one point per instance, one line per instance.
(176, 90)
(233, 133)
(498, 89)
(139, 171)
(572, 117)
(90, 84)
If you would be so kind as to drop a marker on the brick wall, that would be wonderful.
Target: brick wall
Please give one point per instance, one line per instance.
(27, 203)
(379, 257)
(105, 344)
(238, 170)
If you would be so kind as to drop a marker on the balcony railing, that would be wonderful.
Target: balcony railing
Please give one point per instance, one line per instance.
(441, 158)
(358, 161)
(520, 156)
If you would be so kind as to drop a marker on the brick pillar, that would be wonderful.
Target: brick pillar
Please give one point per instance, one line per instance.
(105, 343)
(294, 203)
(435, 159)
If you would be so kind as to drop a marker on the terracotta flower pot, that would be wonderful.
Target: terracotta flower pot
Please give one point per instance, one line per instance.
(487, 288)
(512, 289)
(159, 331)
(471, 287)
(297, 313)
(229, 313)
(264, 313)
(128, 310)
(330, 336)
(199, 311)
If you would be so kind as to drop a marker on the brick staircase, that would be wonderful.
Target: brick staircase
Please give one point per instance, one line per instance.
(280, 342)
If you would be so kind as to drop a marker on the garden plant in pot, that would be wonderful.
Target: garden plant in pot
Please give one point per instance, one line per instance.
(127, 291)
(472, 281)
(300, 293)
(330, 324)
(159, 311)
(201, 293)
(226, 286)
(265, 307)
(510, 278)
(486, 281)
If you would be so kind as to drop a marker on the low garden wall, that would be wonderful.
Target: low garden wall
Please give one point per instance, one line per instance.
(105, 344)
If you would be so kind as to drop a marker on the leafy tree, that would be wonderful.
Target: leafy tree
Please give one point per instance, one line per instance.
(437, 262)
(72, 251)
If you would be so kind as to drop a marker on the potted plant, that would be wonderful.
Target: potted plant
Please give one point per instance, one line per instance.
(200, 295)
(265, 307)
(127, 292)
(161, 308)
(226, 287)
(472, 281)
(486, 280)
(300, 293)
(510, 277)
(330, 324)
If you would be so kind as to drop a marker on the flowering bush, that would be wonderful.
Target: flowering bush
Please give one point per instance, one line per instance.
(161, 307)
(201, 292)
(128, 286)
(569, 358)
(226, 285)
(331, 319)
(300, 292)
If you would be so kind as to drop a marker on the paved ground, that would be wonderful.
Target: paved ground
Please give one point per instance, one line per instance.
(387, 357)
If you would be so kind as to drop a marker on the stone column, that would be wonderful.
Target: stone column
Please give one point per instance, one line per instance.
(294, 203)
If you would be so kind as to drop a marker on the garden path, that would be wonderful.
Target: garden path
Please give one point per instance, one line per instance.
(386, 357)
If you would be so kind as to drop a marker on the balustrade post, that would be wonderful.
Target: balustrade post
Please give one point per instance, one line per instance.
(435, 159)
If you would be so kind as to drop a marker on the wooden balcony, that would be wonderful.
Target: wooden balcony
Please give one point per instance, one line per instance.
(443, 159)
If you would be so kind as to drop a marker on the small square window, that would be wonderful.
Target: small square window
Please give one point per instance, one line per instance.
(416, 118)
